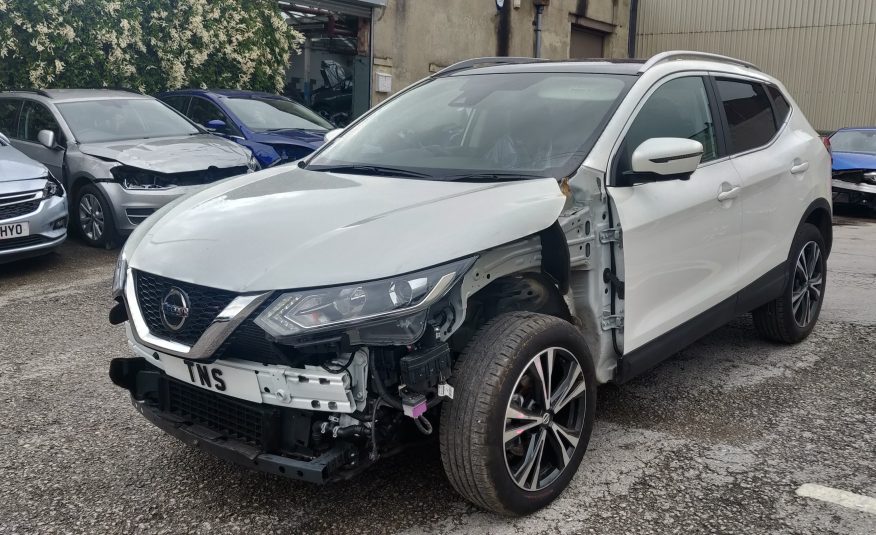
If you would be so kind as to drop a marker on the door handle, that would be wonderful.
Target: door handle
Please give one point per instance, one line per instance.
(798, 168)
(731, 193)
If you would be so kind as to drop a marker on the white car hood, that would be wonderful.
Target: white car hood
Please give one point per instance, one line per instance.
(287, 227)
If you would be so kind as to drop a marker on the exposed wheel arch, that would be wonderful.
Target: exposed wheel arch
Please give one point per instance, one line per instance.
(528, 291)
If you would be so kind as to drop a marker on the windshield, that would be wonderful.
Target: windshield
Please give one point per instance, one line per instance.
(94, 121)
(854, 141)
(508, 125)
(265, 114)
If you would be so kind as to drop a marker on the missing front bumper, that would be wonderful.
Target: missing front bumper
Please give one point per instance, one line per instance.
(253, 435)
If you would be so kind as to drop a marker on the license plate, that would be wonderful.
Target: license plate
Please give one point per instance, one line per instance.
(234, 382)
(14, 230)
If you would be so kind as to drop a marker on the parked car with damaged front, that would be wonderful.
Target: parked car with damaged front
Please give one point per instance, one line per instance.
(120, 155)
(854, 165)
(469, 260)
(33, 206)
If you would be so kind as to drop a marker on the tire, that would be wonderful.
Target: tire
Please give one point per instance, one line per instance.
(790, 318)
(93, 217)
(500, 362)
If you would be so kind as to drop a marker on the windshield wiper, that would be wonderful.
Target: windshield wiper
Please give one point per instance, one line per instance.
(368, 170)
(477, 177)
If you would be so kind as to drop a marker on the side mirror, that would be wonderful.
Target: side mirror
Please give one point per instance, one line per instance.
(46, 138)
(4, 139)
(215, 125)
(332, 134)
(666, 158)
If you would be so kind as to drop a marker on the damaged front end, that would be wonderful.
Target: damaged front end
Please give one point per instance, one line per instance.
(134, 178)
(312, 385)
(855, 186)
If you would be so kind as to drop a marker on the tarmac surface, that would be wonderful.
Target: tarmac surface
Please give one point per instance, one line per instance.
(718, 439)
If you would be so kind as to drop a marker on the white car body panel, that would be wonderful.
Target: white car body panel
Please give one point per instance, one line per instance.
(287, 227)
(773, 196)
(681, 249)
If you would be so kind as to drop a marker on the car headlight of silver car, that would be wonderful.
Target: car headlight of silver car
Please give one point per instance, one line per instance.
(252, 164)
(53, 187)
(354, 305)
(119, 275)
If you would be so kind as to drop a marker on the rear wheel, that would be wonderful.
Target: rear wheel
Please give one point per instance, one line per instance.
(791, 317)
(515, 433)
(93, 217)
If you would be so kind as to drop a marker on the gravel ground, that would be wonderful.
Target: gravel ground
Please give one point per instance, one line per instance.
(715, 440)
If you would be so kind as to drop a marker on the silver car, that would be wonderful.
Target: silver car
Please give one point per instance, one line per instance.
(120, 155)
(33, 206)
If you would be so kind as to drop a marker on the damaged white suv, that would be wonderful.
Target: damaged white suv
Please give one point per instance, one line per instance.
(474, 257)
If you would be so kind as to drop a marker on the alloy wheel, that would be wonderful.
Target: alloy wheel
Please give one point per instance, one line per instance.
(807, 287)
(544, 419)
(91, 217)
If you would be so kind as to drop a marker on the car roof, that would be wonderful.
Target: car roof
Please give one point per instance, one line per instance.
(231, 93)
(72, 95)
(594, 66)
(854, 128)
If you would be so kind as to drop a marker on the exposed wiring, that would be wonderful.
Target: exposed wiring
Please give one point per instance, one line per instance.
(343, 368)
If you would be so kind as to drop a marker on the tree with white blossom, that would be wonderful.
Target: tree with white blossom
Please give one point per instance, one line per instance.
(148, 45)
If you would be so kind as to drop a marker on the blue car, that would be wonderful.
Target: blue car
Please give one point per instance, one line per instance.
(854, 165)
(275, 128)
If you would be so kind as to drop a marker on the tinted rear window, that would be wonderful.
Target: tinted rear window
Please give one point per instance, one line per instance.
(780, 106)
(749, 114)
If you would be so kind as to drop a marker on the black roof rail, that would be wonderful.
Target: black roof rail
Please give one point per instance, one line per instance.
(37, 91)
(478, 62)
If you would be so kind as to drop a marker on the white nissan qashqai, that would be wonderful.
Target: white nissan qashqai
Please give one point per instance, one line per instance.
(474, 256)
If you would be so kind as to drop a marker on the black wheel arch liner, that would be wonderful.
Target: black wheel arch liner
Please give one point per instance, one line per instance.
(556, 261)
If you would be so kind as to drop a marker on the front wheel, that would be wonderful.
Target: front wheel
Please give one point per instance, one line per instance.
(93, 217)
(514, 434)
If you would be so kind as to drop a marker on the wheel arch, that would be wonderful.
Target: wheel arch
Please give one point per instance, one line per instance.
(819, 213)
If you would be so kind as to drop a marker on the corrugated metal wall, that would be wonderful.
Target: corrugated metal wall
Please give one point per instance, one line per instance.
(824, 51)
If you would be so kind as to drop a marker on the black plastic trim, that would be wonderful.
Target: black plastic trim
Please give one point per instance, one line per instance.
(556, 260)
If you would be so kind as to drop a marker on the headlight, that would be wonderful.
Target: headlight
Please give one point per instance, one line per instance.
(52, 187)
(133, 178)
(119, 275)
(253, 164)
(307, 311)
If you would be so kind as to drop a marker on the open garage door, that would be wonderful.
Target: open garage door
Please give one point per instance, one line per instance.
(333, 73)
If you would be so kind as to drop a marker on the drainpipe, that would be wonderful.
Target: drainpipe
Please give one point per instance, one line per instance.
(631, 37)
(539, 13)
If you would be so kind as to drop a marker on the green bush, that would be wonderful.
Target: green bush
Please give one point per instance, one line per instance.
(148, 45)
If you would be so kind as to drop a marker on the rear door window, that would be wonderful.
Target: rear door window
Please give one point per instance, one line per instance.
(750, 121)
(781, 108)
(9, 116)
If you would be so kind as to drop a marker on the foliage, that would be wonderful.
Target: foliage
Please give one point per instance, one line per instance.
(149, 45)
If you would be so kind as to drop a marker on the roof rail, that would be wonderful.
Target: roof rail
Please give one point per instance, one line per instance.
(690, 54)
(477, 62)
(37, 91)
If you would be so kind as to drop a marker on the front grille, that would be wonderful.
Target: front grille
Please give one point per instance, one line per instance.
(238, 419)
(204, 305)
(250, 342)
(26, 241)
(8, 211)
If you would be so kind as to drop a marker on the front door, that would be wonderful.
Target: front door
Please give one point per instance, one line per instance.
(680, 242)
(34, 118)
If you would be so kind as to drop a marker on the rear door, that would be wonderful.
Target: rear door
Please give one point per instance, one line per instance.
(771, 159)
(680, 242)
(35, 117)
